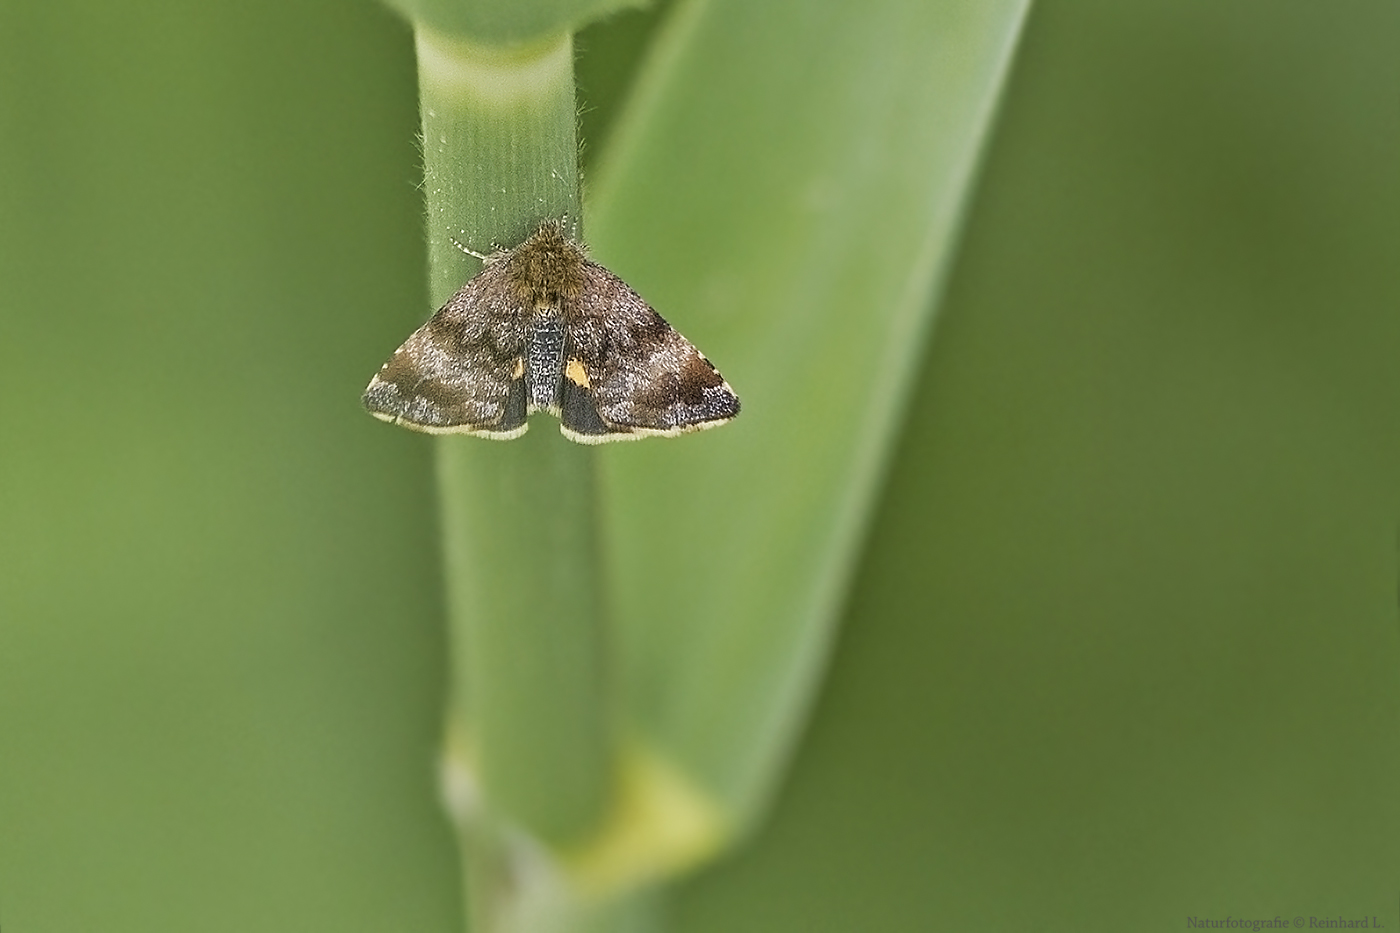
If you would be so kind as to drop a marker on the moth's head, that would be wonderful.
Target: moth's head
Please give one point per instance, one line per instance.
(547, 268)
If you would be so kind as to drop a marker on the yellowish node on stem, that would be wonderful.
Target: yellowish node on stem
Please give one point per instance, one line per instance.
(504, 78)
(659, 826)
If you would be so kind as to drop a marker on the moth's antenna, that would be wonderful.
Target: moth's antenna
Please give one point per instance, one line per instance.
(569, 225)
(468, 250)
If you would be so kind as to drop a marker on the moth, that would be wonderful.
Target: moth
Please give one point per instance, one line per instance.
(542, 328)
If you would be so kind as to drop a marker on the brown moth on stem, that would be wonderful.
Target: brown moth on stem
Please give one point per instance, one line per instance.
(541, 328)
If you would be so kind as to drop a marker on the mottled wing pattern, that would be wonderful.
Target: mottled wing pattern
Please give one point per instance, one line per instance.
(462, 372)
(629, 374)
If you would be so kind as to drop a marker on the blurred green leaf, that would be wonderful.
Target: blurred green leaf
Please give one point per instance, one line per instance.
(786, 189)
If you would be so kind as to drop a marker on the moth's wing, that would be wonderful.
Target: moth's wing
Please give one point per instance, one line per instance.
(629, 374)
(462, 372)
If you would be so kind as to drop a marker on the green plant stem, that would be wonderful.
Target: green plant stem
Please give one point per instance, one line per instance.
(530, 750)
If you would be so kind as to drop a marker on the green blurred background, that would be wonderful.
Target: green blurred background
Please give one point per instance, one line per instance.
(1123, 646)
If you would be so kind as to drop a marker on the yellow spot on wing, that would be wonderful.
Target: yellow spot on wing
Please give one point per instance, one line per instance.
(577, 374)
(519, 368)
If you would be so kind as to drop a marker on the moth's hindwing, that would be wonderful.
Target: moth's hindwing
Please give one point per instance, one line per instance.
(629, 374)
(460, 373)
(578, 413)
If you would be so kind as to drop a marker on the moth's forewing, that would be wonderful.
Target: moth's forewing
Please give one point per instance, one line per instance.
(642, 377)
(461, 372)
